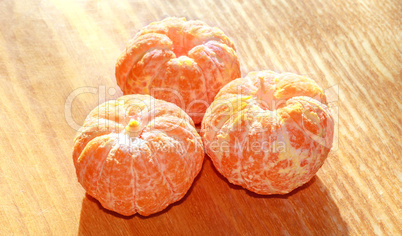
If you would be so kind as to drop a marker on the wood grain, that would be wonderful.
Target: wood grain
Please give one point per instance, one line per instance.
(52, 50)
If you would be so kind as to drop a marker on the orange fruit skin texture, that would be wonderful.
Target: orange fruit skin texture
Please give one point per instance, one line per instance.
(268, 132)
(137, 154)
(179, 61)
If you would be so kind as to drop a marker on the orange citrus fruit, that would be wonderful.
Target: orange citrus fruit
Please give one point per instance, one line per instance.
(179, 61)
(268, 132)
(137, 154)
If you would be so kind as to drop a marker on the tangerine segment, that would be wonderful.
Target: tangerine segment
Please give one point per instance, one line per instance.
(268, 132)
(134, 53)
(174, 142)
(173, 28)
(174, 168)
(91, 160)
(116, 178)
(175, 76)
(153, 193)
(100, 127)
(211, 58)
(197, 33)
(137, 154)
(145, 70)
(184, 62)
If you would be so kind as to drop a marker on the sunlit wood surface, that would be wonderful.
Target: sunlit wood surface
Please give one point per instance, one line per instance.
(52, 51)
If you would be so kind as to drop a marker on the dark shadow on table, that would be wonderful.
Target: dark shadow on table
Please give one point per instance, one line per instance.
(213, 205)
(311, 212)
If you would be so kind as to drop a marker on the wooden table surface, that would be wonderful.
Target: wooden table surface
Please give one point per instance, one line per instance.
(57, 63)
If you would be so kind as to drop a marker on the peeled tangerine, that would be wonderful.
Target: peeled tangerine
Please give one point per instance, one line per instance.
(137, 154)
(179, 61)
(268, 132)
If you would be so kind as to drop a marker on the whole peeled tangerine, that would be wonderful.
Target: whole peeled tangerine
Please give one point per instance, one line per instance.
(137, 154)
(268, 132)
(179, 61)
